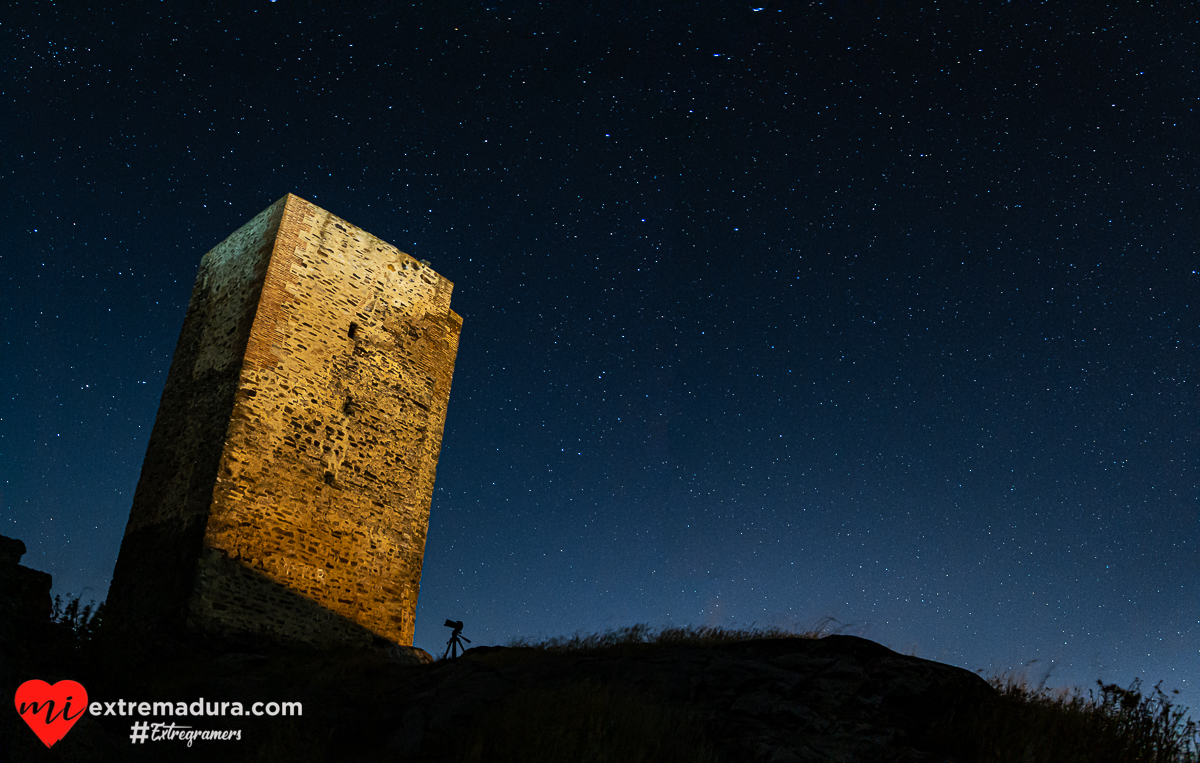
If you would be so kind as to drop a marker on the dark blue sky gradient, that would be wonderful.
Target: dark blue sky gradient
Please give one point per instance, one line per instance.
(884, 312)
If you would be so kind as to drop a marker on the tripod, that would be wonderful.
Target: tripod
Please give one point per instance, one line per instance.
(456, 639)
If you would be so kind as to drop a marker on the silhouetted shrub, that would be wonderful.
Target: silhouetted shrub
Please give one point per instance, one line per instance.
(1114, 726)
(83, 621)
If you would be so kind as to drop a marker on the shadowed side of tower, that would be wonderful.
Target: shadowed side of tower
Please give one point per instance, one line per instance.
(286, 488)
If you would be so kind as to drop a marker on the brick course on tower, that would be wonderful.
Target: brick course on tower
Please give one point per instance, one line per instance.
(286, 488)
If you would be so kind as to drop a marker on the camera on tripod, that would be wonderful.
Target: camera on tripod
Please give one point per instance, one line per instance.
(456, 639)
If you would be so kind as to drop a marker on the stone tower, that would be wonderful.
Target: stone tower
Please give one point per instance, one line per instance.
(286, 488)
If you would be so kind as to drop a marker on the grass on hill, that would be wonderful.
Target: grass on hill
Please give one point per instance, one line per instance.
(1031, 725)
(694, 635)
(1078, 726)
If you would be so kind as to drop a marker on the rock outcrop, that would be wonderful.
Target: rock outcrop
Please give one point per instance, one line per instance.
(839, 698)
(25, 604)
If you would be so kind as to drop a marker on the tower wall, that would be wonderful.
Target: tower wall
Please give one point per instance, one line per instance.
(287, 484)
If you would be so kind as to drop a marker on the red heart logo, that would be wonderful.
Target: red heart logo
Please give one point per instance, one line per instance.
(51, 711)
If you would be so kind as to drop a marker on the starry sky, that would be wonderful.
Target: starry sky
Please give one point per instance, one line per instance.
(884, 312)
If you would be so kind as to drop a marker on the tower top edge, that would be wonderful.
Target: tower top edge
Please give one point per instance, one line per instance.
(290, 200)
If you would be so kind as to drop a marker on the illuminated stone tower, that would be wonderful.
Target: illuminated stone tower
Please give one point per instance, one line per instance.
(286, 488)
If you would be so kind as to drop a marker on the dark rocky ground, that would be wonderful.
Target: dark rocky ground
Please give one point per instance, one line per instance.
(838, 698)
(835, 698)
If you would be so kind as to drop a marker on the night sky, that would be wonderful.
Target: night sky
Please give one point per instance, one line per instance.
(884, 312)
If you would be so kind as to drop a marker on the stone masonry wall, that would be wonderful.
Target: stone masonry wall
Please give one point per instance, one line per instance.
(318, 500)
(154, 572)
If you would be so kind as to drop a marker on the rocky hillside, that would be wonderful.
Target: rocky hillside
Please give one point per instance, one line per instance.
(835, 698)
(838, 698)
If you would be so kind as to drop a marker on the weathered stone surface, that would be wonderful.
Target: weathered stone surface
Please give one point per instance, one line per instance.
(410, 655)
(286, 487)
